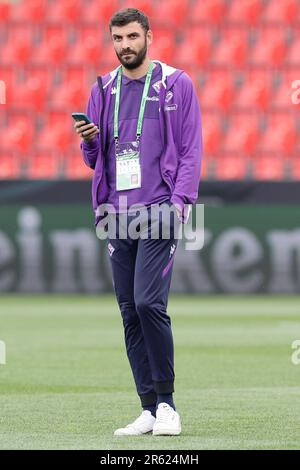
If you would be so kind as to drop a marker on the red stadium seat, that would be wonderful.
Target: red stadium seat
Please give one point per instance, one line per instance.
(69, 11)
(218, 92)
(195, 48)
(8, 75)
(172, 13)
(292, 58)
(100, 11)
(280, 136)
(58, 117)
(29, 11)
(109, 60)
(208, 11)
(53, 47)
(44, 165)
(72, 94)
(74, 166)
(87, 31)
(57, 31)
(57, 134)
(163, 49)
(15, 53)
(294, 165)
(18, 46)
(205, 173)
(243, 134)
(10, 166)
(284, 94)
(19, 133)
(53, 52)
(231, 167)
(43, 74)
(144, 5)
(282, 11)
(193, 73)
(87, 50)
(247, 12)
(268, 167)
(270, 48)
(77, 73)
(212, 133)
(5, 12)
(30, 94)
(232, 49)
(256, 92)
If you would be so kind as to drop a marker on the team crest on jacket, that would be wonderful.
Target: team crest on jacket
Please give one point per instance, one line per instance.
(169, 96)
(157, 86)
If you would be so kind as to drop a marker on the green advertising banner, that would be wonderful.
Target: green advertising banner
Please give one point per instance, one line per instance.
(247, 249)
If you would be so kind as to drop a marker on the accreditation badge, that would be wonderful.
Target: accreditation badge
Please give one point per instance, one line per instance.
(128, 168)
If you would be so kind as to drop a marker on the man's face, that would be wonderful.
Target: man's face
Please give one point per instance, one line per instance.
(131, 44)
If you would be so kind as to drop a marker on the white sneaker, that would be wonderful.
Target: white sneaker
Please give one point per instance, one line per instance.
(143, 424)
(167, 421)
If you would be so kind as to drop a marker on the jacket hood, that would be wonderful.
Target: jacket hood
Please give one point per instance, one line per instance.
(167, 71)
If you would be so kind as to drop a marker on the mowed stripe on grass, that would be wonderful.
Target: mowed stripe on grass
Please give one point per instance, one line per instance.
(67, 383)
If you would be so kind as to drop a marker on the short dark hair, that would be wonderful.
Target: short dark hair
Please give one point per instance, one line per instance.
(129, 15)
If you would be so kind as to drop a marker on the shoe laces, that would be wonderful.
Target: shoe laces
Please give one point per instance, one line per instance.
(163, 414)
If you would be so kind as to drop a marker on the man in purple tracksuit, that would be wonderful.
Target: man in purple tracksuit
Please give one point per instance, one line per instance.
(145, 147)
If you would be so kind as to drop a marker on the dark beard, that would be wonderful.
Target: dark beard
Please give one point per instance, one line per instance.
(139, 59)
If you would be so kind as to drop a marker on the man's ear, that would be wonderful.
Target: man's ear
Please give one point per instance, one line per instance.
(149, 37)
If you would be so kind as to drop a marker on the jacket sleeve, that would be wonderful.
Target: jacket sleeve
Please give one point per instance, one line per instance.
(90, 149)
(189, 167)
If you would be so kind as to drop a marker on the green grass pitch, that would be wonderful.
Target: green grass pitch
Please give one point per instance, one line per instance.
(67, 383)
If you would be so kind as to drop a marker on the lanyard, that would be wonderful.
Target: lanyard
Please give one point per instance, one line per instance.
(142, 107)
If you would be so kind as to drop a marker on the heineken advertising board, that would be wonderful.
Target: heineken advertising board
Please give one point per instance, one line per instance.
(247, 249)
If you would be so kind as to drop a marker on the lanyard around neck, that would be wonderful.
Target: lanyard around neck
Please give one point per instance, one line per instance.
(142, 107)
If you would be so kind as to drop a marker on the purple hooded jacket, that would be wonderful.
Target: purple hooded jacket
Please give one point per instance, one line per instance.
(180, 124)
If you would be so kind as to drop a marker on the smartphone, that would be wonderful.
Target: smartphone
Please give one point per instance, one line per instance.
(81, 117)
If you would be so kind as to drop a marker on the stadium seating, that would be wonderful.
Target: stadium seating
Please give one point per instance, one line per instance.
(230, 167)
(17, 47)
(172, 13)
(242, 56)
(282, 97)
(247, 12)
(282, 11)
(195, 48)
(207, 11)
(144, 5)
(292, 57)
(99, 11)
(44, 165)
(255, 92)
(11, 165)
(5, 12)
(212, 133)
(268, 166)
(294, 168)
(29, 11)
(270, 47)
(64, 11)
(74, 168)
(163, 46)
(19, 133)
(243, 134)
(233, 48)
(280, 135)
(218, 91)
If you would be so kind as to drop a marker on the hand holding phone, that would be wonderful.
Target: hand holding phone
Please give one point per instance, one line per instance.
(85, 127)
